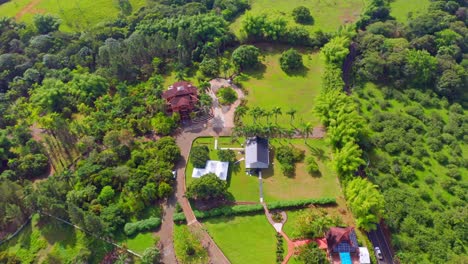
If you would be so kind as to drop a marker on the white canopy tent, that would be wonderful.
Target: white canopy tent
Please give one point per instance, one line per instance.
(364, 257)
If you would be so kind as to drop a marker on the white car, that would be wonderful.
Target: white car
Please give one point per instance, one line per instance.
(175, 174)
(378, 253)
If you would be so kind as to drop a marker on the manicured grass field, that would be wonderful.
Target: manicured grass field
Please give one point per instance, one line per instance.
(271, 87)
(76, 15)
(328, 14)
(401, 8)
(278, 187)
(140, 242)
(242, 186)
(244, 239)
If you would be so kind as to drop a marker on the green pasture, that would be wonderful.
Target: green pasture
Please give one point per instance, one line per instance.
(328, 15)
(270, 87)
(244, 239)
(400, 9)
(76, 15)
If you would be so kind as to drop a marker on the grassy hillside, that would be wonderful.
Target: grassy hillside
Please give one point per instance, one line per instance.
(75, 14)
(328, 14)
(402, 8)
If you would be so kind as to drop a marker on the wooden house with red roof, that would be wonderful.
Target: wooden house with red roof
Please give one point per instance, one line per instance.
(181, 97)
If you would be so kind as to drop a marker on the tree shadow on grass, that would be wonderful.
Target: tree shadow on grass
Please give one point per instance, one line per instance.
(302, 72)
(56, 232)
(318, 153)
(256, 72)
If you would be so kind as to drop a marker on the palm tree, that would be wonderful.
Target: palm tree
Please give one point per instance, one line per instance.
(240, 112)
(276, 111)
(292, 113)
(256, 112)
(306, 129)
(181, 74)
(268, 114)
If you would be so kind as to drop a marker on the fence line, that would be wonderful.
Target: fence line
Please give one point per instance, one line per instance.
(89, 233)
(17, 231)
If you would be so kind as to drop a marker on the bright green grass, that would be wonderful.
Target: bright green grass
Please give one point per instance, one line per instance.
(401, 8)
(240, 185)
(140, 242)
(244, 239)
(372, 96)
(273, 87)
(183, 237)
(76, 15)
(277, 186)
(328, 14)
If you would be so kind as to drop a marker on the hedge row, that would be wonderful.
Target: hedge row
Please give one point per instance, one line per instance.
(300, 203)
(253, 208)
(141, 226)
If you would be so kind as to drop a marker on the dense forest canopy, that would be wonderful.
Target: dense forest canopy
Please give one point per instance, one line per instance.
(84, 107)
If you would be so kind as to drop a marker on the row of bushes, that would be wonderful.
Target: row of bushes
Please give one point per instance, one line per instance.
(300, 203)
(253, 208)
(141, 226)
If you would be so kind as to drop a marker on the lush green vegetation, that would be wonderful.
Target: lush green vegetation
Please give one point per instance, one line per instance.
(328, 15)
(244, 239)
(76, 15)
(187, 246)
(402, 9)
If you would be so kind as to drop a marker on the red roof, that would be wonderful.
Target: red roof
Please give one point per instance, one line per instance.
(336, 235)
(180, 101)
(180, 89)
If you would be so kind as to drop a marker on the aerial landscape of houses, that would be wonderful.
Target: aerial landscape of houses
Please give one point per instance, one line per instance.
(234, 131)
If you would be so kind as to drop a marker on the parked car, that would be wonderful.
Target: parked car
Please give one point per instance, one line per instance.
(378, 253)
(175, 174)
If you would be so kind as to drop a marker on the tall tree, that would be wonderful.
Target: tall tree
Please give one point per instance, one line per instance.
(365, 201)
(276, 111)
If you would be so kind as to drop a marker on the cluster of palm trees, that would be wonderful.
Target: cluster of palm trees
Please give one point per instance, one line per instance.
(263, 126)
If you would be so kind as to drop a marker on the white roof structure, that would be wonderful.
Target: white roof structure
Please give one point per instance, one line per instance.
(364, 257)
(220, 168)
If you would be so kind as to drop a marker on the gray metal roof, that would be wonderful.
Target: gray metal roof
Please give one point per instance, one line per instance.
(257, 155)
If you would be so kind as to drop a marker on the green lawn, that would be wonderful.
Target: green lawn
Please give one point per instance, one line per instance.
(241, 186)
(272, 87)
(76, 15)
(277, 186)
(401, 8)
(328, 14)
(140, 242)
(244, 239)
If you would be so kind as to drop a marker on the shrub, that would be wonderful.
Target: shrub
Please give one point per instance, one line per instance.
(311, 165)
(291, 60)
(227, 95)
(245, 56)
(199, 156)
(302, 15)
(141, 226)
(209, 67)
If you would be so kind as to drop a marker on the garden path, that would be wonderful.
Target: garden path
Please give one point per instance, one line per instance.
(27, 9)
